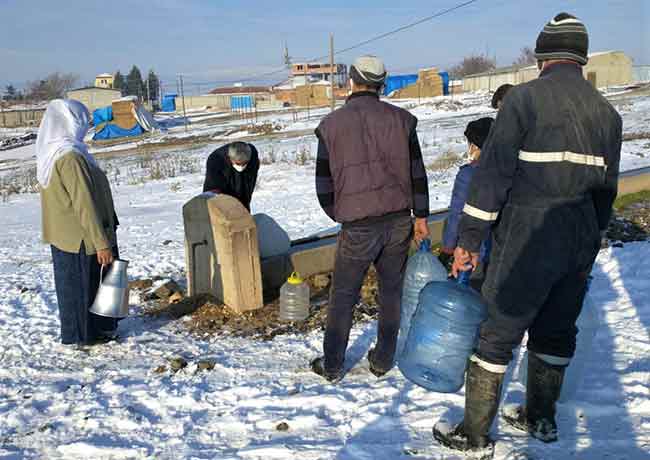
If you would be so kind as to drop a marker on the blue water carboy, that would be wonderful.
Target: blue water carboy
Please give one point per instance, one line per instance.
(422, 268)
(443, 335)
(587, 325)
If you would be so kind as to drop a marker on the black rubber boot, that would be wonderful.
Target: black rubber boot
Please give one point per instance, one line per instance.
(543, 388)
(482, 394)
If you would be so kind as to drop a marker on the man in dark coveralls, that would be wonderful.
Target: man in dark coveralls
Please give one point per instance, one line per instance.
(545, 183)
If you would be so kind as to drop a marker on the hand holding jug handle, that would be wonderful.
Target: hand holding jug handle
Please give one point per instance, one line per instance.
(105, 256)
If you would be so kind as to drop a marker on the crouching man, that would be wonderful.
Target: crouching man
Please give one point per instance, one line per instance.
(546, 182)
(369, 177)
(232, 170)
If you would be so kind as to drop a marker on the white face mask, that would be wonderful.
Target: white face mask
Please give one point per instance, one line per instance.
(239, 168)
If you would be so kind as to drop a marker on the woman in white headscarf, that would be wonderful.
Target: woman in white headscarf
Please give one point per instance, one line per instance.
(79, 220)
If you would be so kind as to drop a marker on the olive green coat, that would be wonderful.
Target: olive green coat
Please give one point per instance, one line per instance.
(77, 206)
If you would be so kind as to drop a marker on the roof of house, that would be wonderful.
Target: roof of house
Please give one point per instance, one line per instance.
(241, 90)
(98, 88)
(104, 75)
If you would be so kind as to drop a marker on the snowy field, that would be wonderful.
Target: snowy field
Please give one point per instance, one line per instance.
(56, 402)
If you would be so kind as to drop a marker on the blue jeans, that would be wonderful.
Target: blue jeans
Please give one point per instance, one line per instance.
(76, 277)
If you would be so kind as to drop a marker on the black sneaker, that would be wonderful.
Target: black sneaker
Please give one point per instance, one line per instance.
(318, 366)
(377, 371)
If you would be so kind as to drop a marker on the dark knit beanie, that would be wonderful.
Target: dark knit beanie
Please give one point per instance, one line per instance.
(368, 70)
(477, 131)
(565, 37)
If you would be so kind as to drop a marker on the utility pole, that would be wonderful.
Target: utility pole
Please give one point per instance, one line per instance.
(309, 94)
(285, 57)
(183, 99)
(308, 90)
(332, 96)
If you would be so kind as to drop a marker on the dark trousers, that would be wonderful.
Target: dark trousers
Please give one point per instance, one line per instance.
(384, 243)
(537, 279)
(76, 277)
(551, 325)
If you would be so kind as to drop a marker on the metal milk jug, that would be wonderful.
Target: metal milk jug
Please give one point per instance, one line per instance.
(112, 299)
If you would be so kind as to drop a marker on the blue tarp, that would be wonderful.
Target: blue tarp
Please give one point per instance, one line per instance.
(241, 102)
(395, 82)
(102, 115)
(168, 103)
(111, 131)
(445, 82)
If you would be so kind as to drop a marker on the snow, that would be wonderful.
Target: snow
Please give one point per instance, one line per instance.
(26, 152)
(61, 403)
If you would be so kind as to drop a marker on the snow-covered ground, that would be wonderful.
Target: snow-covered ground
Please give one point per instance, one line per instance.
(56, 402)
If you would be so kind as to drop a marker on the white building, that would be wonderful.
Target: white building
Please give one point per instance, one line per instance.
(608, 68)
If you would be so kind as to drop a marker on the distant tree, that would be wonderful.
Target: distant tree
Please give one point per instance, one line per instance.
(53, 86)
(526, 57)
(154, 85)
(119, 82)
(134, 83)
(10, 93)
(476, 63)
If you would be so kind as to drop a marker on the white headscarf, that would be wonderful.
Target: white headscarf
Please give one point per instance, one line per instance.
(62, 129)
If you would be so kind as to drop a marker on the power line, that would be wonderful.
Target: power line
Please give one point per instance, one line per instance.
(240, 80)
(357, 45)
(402, 28)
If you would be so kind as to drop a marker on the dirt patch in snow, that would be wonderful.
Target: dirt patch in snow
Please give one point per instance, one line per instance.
(206, 317)
(631, 220)
(636, 136)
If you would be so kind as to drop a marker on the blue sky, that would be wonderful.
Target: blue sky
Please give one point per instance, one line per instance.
(211, 40)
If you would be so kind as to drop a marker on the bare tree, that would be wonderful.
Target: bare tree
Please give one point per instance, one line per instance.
(526, 57)
(473, 64)
(51, 87)
(10, 93)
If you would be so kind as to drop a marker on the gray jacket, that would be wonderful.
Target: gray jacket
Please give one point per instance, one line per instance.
(369, 161)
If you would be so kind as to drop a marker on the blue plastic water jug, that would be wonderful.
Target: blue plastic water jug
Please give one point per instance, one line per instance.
(422, 268)
(443, 335)
(587, 324)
